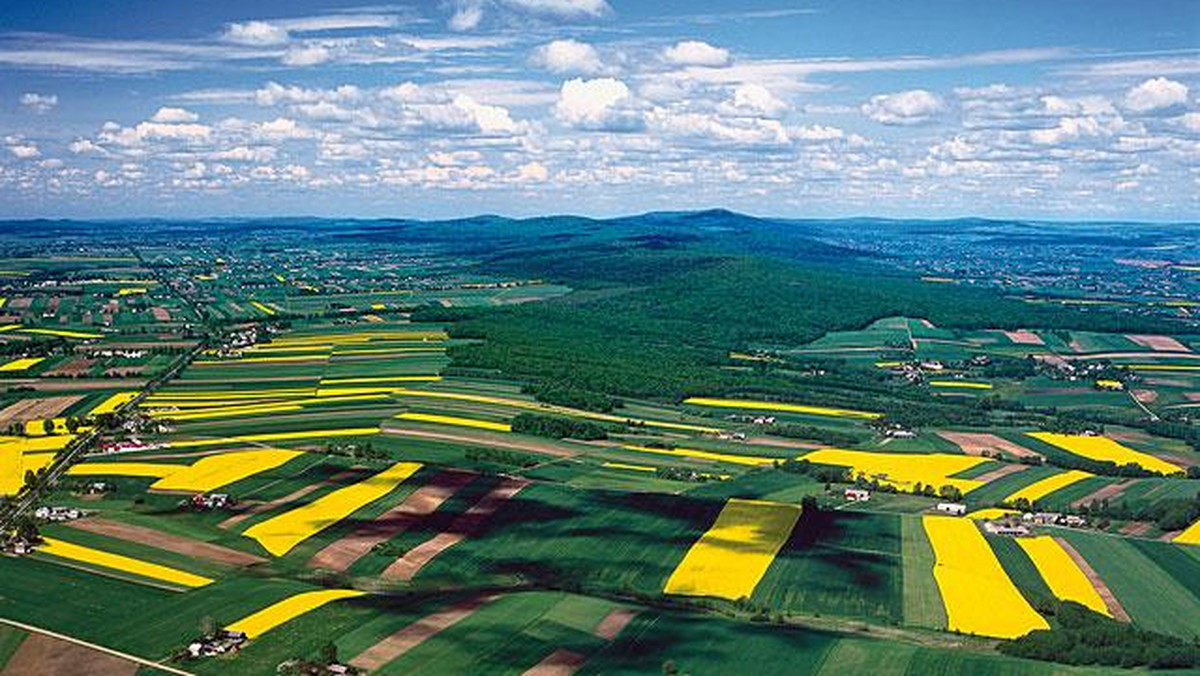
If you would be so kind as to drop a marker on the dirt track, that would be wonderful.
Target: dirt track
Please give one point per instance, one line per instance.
(467, 524)
(1114, 606)
(342, 554)
(167, 541)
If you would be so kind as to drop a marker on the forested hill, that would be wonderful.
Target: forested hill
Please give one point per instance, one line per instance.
(657, 311)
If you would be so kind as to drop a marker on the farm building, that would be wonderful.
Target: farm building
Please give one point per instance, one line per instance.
(955, 508)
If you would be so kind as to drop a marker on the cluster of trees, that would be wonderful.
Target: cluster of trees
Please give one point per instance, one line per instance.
(823, 435)
(558, 427)
(1168, 514)
(361, 451)
(501, 456)
(573, 397)
(71, 424)
(1082, 637)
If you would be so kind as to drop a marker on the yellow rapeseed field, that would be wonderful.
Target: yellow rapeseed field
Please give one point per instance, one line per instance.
(1041, 488)
(749, 460)
(215, 471)
(978, 595)
(23, 364)
(781, 407)
(78, 335)
(732, 556)
(1102, 448)
(1061, 573)
(1190, 536)
(206, 474)
(277, 436)
(379, 379)
(961, 384)
(456, 421)
(135, 469)
(903, 470)
(279, 534)
(19, 454)
(103, 559)
(288, 609)
(265, 309)
(627, 466)
(113, 403)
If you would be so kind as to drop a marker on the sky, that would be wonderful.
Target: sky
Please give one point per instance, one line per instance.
(1058, 110)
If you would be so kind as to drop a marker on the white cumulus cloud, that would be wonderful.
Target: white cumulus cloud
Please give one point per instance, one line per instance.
(568, 56)
(305, 55)
(174, 115)
(469, 13)
(909, 107)
(256, 33)
(1156, 94)
(602, 104)
(39, 103)
(695, 53)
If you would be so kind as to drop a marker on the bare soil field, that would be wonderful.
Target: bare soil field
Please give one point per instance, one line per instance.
(561, 662)
(1159, 343)
(467, 524)
(415, 634)
(1024, 337)
(167, 541)
(36, 409)
(976, 443)
(342, 554)
(41, 655)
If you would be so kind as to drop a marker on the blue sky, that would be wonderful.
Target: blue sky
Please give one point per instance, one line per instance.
(1070, 109)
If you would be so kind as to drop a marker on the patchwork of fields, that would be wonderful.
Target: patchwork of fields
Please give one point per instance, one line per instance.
(318, 473)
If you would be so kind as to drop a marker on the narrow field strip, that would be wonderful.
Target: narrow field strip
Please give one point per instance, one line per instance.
(1040, 489)
(750, 460)
(732, 556)
(781, 407)
(1102, 449)
(960, 384)
(1062, 575)
(280, 534)
(550, 408)
(281, 612)
(277, 436)
(165, 541)
(125, 564)
(343, 553)
(456, 421)
(467, 524)
(294, 496)
(979, 596)
(398, 644)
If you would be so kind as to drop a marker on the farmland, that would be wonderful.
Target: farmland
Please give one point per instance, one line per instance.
(422, 454)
